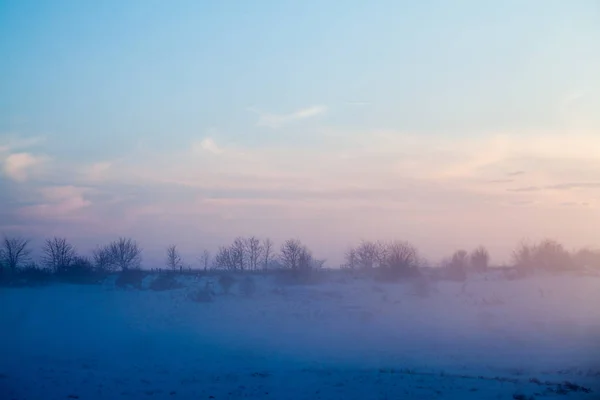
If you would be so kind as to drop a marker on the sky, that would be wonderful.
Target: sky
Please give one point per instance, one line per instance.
(447, 124)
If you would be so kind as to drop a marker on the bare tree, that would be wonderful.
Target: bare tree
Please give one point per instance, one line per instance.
(401, 259)
(223, 259)
(15, 252)
(587, 258)
(351, 258)
(103, 260)
(125, 253)
(457, 265)
(367, 254)
(460, 259)
(58, 254)
(254, 251)
(479, 259)
(381, 253)
(174, 260)
(238, 254)
(267, 246)
(551, 255)
(290, 253)
(523, 256)
(205, 259)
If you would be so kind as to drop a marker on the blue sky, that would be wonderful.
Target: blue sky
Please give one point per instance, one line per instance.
(196, 121)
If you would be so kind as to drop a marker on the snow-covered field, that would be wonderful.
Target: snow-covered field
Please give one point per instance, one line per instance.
(344, 339)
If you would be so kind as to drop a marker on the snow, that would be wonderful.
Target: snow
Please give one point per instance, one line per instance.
(346, 338)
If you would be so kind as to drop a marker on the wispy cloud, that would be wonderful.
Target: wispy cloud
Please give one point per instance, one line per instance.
(500, 181)
(58, 202)
(275, 121)
(206, 145)
(515, 173)
(384, 179)
(19, 166)
(526, 189)
(575, 185)
(13, 143)
(560, 186)
(358, 103)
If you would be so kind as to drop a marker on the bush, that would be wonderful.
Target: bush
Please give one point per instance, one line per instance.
(587, 258)
(400, 260)
(122, 254)
(81, 270)
(548, 255)
(423, 286)
(202, 295)
(300, 267)
(130, 277)
(226, 282)
(456, 267)
(31, 274)
(165, 281)
(248, 287)
(479, 259)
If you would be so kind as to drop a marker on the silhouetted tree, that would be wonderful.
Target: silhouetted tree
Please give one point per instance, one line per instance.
(58, 254)
(15, 252)
(587, 258)
(351, 259)
(238, 254)
(223, 259)
(254, 251)
(551, 255)
(174, 260)
(368, 254)
(205, 259)
(479, 259)
(125, 253)
(523, 257)
(267, 246)
(103, 261)
(290, 253)
(546, 255)
(457, 265)
(298, 259)
(401, 260)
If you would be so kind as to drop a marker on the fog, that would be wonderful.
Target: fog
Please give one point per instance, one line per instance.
(344, 332)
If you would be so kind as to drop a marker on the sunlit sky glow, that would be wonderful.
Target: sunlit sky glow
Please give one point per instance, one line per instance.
(448, 124)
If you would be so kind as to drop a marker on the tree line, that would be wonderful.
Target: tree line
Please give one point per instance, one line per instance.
(388, 260)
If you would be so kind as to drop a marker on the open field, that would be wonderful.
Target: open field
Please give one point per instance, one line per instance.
(345, 338)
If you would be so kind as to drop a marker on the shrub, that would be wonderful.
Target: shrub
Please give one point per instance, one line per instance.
(401, 260)
(130, 278)
(479, 259)
(423, 286)
(226, 282)
(122, 254)
(248, 287)
(551, 255)
(32, 274)
(103, 261)
(587, 258)
(202, 295)
(456, 267)
(165, 281)
(548, 255)
(300, 267)
(80, 270)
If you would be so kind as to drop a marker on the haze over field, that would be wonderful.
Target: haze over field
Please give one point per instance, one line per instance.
(446, 124)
